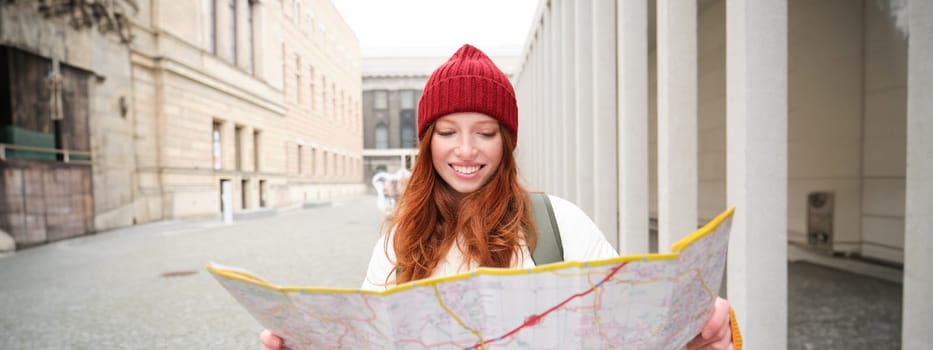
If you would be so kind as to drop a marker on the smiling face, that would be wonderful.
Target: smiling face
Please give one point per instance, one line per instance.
(466, 150)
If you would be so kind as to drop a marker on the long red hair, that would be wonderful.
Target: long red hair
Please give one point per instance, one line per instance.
(493, 221)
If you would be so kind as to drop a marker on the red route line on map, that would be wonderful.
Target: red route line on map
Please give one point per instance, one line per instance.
(535, 319)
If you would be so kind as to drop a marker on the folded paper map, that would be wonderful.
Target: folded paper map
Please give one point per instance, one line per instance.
(653, 301)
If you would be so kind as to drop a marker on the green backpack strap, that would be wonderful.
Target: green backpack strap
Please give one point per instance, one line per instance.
(549, 248)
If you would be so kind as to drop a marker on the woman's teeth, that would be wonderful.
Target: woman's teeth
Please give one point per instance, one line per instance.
(466, 170)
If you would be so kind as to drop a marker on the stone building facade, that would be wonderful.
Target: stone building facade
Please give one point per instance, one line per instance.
(215, 106)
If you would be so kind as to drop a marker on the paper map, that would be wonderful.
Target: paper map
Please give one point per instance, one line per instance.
(653, 301)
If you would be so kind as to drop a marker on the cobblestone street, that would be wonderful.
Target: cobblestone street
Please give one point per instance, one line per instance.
(145, 287)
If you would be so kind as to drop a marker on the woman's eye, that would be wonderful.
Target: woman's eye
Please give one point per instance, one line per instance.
(445, 133)
(488, 134)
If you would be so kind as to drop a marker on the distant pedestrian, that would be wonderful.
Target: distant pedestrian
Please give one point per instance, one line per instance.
(391, 192)
(402, 175)
(379, 181)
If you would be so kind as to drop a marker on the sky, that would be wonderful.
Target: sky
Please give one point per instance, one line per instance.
(438, 26)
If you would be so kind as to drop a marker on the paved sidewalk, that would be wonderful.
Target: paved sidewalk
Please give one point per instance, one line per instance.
(834, 309)
(107, 291)
(145, 287)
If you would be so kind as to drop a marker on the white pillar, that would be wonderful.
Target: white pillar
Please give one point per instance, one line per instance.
(677, 121)
(583, 84)
(539, 108)
(756, 94)
(548, 85)
(918, 213)
(604, 135)
(527, 137)
(569, 111)
(521, 95)
(557, 101)
(632, 26)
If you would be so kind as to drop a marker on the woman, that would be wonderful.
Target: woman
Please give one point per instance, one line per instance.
(464, 207)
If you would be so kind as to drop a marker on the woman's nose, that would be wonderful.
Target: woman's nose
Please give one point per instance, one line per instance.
(465, 148)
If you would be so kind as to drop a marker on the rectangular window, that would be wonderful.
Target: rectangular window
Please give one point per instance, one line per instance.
(244, 190)
(216, 145)
(44, 105)
(380, 99)
(313, 160)
(339, 107)
(256, 136)
(231, 5)
(284, 71)
(299, 160)
(297, 79)
(409, 140)
(333, 97)
(252, 36)
(322, 35)
(311, 87)
(324, 166)
(210, 8)
(408, 99)
(382, 136)
(345, 107)
(348, 108)
(262, 193)
(324, 95)
(238, 146)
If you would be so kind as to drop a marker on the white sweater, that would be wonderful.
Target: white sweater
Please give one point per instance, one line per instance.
(581, 239)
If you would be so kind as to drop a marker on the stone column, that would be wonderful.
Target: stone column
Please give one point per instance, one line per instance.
(547, 113)
(533, 110)
(632, 62)
(677, 121)
(604, 115)
(756, 115)
(568, 119)
(918, 213)
(583, 84)
(557, 104)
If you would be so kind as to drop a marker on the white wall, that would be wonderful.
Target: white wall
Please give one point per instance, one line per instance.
(824, 114)
(885, 147)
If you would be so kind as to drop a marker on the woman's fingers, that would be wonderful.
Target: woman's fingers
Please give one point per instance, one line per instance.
(716, 333)
(719, 319)
(270, 341)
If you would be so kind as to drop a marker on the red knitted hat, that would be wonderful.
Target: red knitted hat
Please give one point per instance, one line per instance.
(468, 82)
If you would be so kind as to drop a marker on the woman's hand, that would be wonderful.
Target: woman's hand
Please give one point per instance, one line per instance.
(717, 332)
(271, 341)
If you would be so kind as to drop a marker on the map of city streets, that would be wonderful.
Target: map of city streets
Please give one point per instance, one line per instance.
(654, 301)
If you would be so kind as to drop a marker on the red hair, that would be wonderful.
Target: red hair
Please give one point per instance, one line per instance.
(493, 221)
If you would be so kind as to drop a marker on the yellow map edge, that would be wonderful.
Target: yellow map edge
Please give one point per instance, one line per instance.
(676, 248)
